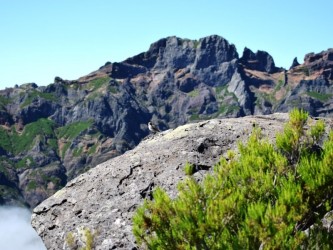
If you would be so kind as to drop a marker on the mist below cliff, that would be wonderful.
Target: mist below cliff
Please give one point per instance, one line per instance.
(16, 231)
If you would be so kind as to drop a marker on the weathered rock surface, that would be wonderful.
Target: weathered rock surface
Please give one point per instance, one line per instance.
(104, 198)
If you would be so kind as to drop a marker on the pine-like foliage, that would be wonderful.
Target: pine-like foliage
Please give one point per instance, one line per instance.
(264, 198)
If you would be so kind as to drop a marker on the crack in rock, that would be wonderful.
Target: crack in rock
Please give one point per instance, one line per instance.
(127, 176)
(147, 192)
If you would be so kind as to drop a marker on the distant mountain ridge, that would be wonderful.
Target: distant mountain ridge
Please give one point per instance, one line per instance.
(48, 135)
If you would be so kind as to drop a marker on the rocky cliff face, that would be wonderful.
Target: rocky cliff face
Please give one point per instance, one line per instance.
(104, 198)
(49, 135)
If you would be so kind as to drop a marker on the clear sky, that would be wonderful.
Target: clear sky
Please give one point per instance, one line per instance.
(70, 38)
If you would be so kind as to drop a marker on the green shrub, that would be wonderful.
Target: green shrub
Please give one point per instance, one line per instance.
(194, 93)
(113, 89)
(264, 198)
(71, 241)
(25, 162)
(189, 169)
(4, 100)
(32, 185)
(194, 117)
(92, 149)
(53, 143)
(221, 89)
(65, 148)
(87, 241)
(77, 152)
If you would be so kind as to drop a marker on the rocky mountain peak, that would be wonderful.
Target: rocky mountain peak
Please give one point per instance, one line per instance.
(316, 66)
(260, 61)
(326, 56)
(295, 63)
(177, 53)
(214, 50)
(320, 63)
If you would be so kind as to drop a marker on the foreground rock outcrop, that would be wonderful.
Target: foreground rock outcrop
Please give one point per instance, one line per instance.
(104, 198)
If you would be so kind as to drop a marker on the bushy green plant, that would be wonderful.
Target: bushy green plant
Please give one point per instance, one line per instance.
(264, 198)
(71, 241)
(25, 162)
(189, 169)
(87, 240)
(194, 93)
(32, 185)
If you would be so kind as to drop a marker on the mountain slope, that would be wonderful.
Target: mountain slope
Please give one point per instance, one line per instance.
(49, 135)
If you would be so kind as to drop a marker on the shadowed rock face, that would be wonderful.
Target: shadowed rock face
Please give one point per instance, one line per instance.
(104, 198)
(260, 61)
(295, 63)
(51, 134)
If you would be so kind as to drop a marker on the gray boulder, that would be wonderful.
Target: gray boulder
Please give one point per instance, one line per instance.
(104, 199)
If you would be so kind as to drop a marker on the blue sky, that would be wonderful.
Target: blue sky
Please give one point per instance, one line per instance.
(71, 38)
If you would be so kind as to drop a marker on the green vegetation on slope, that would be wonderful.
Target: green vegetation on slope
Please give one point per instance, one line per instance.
(271, 97)
(265, 198)
(73, 130)
(228, 102)
(194, 93)
(5, 141)
(16, 143)
(35, 94)
(323, 97)
(4, 101)
(26, 161)
(98, 82)
(42, 128)
(8, 192)
(92, 85)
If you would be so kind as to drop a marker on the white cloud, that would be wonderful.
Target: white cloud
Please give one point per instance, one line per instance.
(16, 232)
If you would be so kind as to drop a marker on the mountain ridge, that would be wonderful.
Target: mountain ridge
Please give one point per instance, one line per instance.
(50, 134)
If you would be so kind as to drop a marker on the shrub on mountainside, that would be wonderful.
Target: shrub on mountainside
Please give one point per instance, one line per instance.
(266, 197)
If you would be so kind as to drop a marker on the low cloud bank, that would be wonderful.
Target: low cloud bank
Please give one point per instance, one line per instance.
(16, 231)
